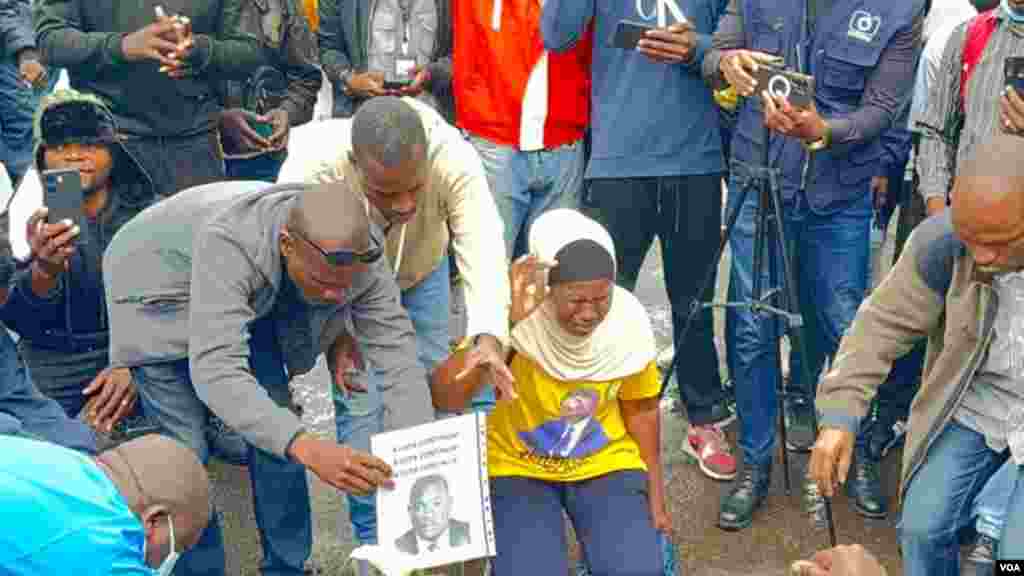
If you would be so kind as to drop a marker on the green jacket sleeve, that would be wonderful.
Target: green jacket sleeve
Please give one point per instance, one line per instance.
(231, 54)
(64, 44)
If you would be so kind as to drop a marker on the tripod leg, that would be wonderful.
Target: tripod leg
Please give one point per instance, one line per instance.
(709, 277)
(774, 232)
(797, 331)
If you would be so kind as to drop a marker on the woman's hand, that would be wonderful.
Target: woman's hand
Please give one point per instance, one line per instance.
(660, 517)
(528, 281)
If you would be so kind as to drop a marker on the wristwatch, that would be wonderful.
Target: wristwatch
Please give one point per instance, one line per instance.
(345, 77)
(821, 143)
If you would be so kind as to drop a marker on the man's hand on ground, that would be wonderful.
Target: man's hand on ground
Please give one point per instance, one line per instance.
(113, 397)
(346, 469)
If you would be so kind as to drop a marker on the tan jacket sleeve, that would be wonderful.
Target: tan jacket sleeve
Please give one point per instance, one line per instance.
(477, 236)
(900, 312)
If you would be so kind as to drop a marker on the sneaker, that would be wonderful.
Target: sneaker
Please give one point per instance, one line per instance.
(707, 447)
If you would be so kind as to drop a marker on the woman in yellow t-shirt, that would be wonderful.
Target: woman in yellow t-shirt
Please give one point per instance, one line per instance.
(581, 434)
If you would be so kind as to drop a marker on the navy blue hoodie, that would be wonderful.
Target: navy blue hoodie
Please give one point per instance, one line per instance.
(649, 119)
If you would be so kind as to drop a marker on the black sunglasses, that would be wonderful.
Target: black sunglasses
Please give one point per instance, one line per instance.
(347, 257)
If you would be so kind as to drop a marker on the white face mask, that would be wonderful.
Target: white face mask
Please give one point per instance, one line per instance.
(167, 566)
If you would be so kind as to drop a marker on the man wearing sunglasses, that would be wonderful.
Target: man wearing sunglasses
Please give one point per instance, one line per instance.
(427, 187)
(215, 292)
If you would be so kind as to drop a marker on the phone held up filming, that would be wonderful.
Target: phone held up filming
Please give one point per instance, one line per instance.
(63, 199)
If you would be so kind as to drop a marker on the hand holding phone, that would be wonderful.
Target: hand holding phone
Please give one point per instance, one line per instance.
(628, 34)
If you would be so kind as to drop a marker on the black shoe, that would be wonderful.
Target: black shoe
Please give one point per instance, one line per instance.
(745, 496)
(226, 444)
(885, 434)
(800, 432)
(866, 488)
(983, 555)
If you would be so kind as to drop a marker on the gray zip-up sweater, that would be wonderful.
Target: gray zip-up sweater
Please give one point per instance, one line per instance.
(187, 276)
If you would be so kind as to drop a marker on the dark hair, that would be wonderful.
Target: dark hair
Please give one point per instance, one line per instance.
(421, 483)
(389, 131)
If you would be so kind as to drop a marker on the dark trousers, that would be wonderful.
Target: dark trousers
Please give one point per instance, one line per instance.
(609, 514)
(175, 164)
(685, 213)
(280, 491)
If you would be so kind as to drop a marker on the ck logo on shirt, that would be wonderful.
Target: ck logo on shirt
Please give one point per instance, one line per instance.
(864, 26)
(660, 10)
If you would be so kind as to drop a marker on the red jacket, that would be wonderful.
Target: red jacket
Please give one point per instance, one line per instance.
(508, 88)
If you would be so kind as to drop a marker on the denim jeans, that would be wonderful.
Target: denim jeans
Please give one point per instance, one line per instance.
(527, 184)
(358, 417)
(178, 163)
(18, 104)
(990, 506)
(264, 168)
(938, 503)
(685, 213)
(280, 491)
(831, 274)
(609, 513)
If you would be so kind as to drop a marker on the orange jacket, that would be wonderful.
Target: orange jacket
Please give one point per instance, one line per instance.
(508, 88)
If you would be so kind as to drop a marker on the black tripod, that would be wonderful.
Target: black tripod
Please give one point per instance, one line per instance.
(769, 229)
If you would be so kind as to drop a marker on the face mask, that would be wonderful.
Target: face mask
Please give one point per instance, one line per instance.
(167, 566)
(1014, 16)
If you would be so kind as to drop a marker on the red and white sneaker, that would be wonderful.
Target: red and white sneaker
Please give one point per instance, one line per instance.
(707, 446)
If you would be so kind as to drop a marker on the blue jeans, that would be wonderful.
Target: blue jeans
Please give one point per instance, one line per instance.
(527, 184)
(18, 103)
(264, 168)
(358, 417)
(280, 491)
(990, 507)
(938, 503)
(831, 273)
(609, 513)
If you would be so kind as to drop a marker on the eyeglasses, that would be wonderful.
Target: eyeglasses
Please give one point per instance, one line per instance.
(348, 257)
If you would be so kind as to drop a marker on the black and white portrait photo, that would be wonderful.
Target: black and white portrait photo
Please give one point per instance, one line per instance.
(430, 513)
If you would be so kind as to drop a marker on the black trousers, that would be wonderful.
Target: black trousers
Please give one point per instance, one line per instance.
(685, 213)
(175, 164)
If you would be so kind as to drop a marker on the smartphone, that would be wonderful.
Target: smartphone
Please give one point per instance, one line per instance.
(628, 34)
(1013, 73)
(797, 88)
(397, 84)
(63, 198)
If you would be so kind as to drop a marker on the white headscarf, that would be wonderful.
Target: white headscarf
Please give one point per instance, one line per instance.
(621, 345)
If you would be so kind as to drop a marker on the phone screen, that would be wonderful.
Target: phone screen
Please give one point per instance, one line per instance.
(628, 34)
(1013, 73)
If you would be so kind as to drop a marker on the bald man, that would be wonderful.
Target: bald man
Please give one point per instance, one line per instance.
(960, 284)
(217, 290)
(130, 510)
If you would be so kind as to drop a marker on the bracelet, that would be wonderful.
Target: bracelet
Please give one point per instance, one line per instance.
(821, 143)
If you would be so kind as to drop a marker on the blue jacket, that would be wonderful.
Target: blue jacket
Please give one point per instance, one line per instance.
(852, 58)
(650, 119)
(25, 412)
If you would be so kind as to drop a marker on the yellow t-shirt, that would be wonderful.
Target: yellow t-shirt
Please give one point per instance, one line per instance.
(565, 431)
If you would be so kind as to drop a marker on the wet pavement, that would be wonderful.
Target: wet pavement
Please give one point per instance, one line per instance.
(781, 532)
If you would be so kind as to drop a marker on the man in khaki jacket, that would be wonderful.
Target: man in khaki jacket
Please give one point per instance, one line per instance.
(426, 186)
(960, 284)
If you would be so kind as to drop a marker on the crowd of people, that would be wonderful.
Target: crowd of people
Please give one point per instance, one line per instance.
(265, 182)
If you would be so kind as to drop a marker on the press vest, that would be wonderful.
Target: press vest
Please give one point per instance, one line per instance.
(846, 46)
